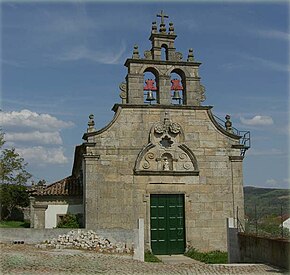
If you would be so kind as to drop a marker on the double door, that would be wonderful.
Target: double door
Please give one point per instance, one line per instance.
(167, 224)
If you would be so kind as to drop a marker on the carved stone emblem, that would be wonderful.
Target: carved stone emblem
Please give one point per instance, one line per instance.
(166, 127)
(165, 153)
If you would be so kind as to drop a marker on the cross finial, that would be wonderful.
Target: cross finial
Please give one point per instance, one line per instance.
(162, 15)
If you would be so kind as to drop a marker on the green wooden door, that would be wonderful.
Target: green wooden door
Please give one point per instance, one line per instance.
(167, 224)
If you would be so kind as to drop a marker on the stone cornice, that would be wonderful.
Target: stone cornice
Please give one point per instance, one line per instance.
(162, 35)
(161, 62)
(166, 173)
(236, 158)
(159, 106)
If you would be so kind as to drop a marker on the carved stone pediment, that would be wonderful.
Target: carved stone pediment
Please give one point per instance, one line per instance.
(165, 153)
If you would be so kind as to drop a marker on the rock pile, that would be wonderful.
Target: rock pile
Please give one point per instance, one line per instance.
(85, 240)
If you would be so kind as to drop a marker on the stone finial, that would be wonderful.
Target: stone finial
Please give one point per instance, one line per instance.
(190, 56)
(136, 52)
(91, 124)
(171, 28)
(162, 28)
(228, 124)
(162, 24)
(154, 27)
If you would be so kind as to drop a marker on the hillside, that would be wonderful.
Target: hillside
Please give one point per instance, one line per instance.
(268, 201)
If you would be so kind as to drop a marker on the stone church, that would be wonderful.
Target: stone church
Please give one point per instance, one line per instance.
(164, 158)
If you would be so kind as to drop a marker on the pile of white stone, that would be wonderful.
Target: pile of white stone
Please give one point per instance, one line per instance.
(85, 240)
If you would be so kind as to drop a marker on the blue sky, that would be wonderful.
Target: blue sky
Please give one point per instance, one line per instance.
(62, 61)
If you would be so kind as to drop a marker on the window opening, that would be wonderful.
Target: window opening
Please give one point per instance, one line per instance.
(164, 52)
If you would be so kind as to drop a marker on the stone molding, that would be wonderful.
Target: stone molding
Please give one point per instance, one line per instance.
(41, 207)
(162, 62)
(218, 127)
(159, 106)
(117, 113)
(236, 158)
(166, 173)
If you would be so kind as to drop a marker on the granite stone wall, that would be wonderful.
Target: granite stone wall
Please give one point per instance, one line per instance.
(116, 196)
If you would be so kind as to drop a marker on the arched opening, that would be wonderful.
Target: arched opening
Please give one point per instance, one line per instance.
(151, 84)
(178, 87)
(164, 52)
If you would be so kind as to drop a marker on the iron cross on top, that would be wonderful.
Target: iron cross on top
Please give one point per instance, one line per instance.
(162, 15)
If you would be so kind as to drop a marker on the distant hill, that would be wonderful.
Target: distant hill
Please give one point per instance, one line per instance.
(268, 201)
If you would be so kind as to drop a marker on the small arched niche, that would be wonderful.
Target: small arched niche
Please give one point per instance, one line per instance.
(151, 86)
(178, 87)
(164, 52)
(167, 162)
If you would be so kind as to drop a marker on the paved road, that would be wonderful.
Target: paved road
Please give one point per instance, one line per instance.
(26, 259)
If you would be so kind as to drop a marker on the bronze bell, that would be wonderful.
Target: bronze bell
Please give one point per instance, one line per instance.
(150, 96)
(176, 95)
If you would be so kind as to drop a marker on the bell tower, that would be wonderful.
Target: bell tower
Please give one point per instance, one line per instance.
(172, 81)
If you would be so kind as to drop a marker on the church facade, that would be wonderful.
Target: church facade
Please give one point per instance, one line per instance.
(164, 157)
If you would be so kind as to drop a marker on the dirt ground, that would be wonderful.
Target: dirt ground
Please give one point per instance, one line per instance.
(27, 259)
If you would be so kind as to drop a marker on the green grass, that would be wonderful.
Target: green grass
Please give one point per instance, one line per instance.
(149, 257)
(212, 257)
(14, 224)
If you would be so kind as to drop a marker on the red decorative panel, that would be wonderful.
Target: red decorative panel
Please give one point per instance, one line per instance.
(150, 85)
(176, 86)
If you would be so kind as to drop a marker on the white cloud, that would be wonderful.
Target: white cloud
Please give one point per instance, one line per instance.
(273, 34)
(257, 121)
(31, 120)
(104, 56)
(35, 137)
(41, 155)
(64, 25)
(258, 62)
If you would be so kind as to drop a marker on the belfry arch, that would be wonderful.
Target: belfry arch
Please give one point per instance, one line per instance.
(151, 86)
(178, 87)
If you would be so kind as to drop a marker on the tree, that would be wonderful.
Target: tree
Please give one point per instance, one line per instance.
(12, 196)
(13, 176)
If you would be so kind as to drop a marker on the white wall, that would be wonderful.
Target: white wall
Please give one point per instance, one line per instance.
(287, 223)
(53, 210)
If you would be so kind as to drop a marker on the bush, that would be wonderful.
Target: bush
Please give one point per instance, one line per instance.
(212, 257)
(69, 221)
(149, 257)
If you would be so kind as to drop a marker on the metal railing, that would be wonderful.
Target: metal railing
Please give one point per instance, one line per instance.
(245, 139)
(264, 225)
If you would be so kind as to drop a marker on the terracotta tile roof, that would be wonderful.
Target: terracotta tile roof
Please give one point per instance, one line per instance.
(69, 186)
